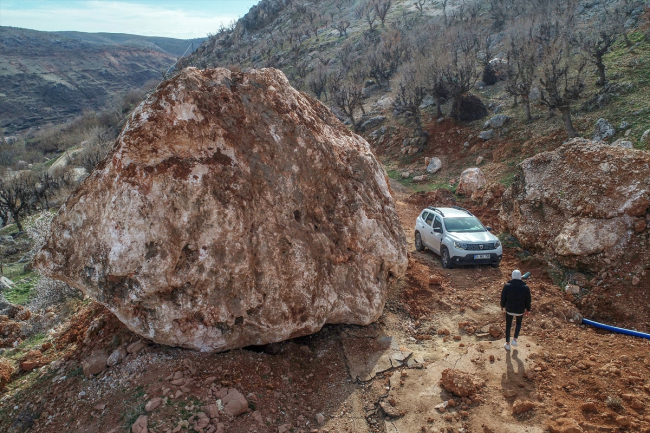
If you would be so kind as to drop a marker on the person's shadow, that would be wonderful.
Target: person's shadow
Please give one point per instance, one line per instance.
(510, 379)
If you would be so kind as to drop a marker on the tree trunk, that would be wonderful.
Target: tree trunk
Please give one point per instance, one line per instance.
(602, 79)
(439, 107)
(628, 43)
(527, 108)
(18, 224)
(568, 125)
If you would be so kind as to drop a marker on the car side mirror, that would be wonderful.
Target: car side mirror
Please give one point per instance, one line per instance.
(489, 228)
(437, 230)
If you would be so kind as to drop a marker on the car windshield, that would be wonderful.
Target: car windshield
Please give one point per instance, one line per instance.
(464, 225)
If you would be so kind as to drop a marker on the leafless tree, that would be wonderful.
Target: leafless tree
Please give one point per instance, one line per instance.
(562, 79)
(419, 4)
(411, 89)
(597, 37)
(17, 196)
(461, 70)
(342, 26)
(348, 98)
(318, 82)
(522, 58)
(382, 7)
(443, 5)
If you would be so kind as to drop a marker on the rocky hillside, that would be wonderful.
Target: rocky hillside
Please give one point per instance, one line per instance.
(48, 77)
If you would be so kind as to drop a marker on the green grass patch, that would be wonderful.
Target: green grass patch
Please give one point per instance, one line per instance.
(508, 240)
(9, 230)
(507, 178)
(22, 291)
(134, 407)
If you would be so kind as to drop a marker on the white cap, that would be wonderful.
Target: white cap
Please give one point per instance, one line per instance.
(516, 275)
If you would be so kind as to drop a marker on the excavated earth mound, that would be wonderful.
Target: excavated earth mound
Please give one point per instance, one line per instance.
(586, 202)
(233, 211)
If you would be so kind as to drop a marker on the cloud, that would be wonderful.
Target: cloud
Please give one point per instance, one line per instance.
(120, 17)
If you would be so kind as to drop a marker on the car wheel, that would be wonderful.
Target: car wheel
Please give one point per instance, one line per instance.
(445, 259)
(418, 242)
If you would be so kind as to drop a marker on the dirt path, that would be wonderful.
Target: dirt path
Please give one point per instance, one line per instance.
(380, 378)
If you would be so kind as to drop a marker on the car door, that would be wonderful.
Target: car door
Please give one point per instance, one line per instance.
(420, 225)
(427, 233)
(436, 237)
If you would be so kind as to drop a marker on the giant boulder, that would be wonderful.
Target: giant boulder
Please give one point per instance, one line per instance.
(233, 211)
(582, 203)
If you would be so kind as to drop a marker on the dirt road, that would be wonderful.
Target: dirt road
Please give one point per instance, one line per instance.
(381, 378)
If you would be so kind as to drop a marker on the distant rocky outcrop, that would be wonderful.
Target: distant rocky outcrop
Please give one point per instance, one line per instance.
(233, 211)
(587, 203)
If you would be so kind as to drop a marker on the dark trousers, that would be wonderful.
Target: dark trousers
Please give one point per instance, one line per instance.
(509, 325)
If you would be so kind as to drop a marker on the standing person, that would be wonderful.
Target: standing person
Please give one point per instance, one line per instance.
(515, 298)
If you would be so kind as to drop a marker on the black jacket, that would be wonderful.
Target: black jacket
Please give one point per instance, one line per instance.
(515, 297)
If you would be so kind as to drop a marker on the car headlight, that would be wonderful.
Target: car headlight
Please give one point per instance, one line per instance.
(497, 244)
(460, 246)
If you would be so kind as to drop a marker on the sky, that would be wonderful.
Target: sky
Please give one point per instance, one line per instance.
(182, 19)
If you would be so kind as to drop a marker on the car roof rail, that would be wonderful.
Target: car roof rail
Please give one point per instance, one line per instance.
(462, 209)
(436, 210)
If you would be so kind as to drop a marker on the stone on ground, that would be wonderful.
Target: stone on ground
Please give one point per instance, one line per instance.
(434, 165)
(153, 404)
(234, 403)
(140, 425)
(461, 383)
(95, 363)
(232, 211)
(564, 425)
(471, 180)
(521, 406)
(603, 130)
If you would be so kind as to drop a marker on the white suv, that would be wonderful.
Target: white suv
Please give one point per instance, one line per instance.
(457, 236)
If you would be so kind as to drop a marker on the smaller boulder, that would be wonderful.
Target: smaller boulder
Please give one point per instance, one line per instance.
(603, 130)
(406, 174)
(564, 425)
(479, 160)
(234, 403)
(495, 331)
(498, 121)
(471, 180)
(461, 383)
(521, 406)
(140, 425)
(372, 123)
(434, 165)
(421, 178)
(534, 94)
(487, 135)
(573, 289)
(116, 357)
(95, 363)
(153, 404)
(135, 347)
(645, 138)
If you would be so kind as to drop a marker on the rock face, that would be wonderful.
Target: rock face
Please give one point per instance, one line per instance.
(582, 202)
(233, 211)
(471, 180)
(460, 383)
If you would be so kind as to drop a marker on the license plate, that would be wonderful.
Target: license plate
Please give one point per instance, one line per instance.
(481, 256)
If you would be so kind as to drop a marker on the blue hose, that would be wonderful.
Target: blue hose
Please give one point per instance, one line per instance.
(615, 329)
